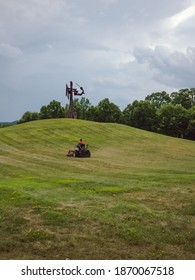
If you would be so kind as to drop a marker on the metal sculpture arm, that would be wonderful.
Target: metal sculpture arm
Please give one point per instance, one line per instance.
(82, 90)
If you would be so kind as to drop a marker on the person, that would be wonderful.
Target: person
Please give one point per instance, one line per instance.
(81, 144)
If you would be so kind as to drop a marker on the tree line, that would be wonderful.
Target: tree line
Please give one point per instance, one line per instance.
(170, 114)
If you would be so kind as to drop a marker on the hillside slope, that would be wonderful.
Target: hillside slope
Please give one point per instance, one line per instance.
(112, 145)
(133, 181)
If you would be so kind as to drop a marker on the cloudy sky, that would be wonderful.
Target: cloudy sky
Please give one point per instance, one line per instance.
(117, 49)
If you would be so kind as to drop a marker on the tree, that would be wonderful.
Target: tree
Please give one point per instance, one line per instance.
(140, 114)
(85, 105)
(55, 109)
(92, 113)
(52, 110)
(29, 116)
(173, 120)
(158, 99)
(34, 116)
(108, 111)
(191, 126)
(81, 107)
(185, 97)
(44, 113)
(66, 108)
(191, 130)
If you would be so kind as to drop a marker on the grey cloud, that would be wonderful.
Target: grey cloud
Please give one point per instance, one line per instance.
(103, 45)
(172, 68)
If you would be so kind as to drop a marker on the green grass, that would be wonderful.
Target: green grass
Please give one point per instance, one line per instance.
(133, 199)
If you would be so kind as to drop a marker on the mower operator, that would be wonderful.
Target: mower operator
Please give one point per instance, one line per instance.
(81, 144)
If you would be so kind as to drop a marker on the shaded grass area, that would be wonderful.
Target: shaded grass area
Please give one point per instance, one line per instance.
(133, 199)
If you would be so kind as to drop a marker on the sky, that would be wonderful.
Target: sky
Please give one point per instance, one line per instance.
(122, 50)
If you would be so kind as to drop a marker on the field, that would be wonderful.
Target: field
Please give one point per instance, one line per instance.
(133, 199)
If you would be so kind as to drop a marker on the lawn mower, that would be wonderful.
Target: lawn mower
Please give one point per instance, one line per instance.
(79, 151)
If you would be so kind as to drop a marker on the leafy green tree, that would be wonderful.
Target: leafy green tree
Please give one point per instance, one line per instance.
(55, 109)
(34, 116)
(26, 117)
(44, 112)
(173, 120)
(192, 96)
(140, 114)
(185, 97)
(158, 99)
(108, 111)
(81, 107)
(29, 116)
(66, 110)
(92, 113)
(191, 126)
(52, 110)
(191, 130)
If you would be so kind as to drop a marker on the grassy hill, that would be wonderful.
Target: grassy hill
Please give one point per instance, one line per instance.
(133, 199)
